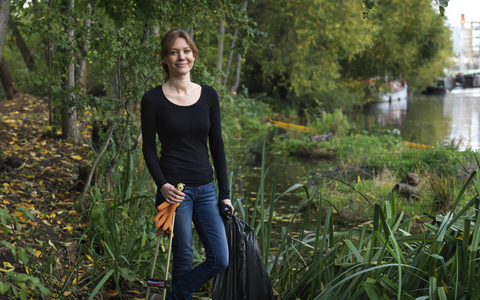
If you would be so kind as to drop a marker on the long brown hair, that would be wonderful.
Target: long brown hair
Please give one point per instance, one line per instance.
(167, 42)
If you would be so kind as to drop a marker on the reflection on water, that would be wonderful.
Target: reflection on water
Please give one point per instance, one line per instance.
(452, 118)
(422, 119)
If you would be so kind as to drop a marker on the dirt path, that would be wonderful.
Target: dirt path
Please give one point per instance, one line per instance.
(38, 172)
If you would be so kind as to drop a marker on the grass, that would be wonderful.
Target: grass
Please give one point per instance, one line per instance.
(386, 258)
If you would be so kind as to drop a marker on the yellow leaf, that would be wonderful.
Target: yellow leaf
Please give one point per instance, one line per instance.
(6, 202)
(18, 213)
(89, 257)
(8, 266)
(67, 293)
(76, 157)
(112, 292)
(68, 227)
(74, 282)
(3, 270)
(73, 212)
(59, 222)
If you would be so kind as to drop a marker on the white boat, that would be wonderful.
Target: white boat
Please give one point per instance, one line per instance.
(393, 90)
(398, 91)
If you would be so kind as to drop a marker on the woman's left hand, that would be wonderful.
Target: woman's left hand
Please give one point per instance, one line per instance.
(228, 202)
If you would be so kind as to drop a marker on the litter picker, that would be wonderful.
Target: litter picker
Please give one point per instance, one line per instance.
(164, 221)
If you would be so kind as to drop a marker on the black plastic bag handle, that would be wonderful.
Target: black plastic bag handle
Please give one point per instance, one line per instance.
(225, 211)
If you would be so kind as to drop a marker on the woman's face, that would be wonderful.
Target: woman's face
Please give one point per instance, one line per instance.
(180, 59)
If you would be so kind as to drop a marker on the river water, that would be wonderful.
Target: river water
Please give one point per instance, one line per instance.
(451, 118)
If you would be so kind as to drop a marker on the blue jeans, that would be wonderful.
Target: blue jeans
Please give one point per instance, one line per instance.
(200, 206)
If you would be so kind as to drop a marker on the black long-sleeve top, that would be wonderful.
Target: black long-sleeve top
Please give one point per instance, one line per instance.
(183, 132)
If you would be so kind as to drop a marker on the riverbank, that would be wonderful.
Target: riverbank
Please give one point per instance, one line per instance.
(370, 165)
(53, 249)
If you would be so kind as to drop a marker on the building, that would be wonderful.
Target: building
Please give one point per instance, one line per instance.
(466, 44)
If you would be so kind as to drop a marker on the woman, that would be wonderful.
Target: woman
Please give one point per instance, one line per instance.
(185, 115)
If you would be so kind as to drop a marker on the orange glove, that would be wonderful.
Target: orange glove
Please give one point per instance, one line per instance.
(163, 220)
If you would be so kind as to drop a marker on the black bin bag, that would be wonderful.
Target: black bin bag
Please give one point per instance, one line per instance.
(245, 278)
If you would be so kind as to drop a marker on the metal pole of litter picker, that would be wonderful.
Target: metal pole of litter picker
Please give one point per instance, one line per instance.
(154, 263)
(168, 254)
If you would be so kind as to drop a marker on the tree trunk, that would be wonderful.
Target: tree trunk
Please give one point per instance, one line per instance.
(237, 74)
(156, 31)
(4, 12)
(69, 114)
(221, 34)
(22, 46)
(230, 57)
(83, 61)
(7, 80)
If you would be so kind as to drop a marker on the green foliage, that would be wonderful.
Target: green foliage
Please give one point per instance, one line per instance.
(443, 190)
(325, 51)
(15, 283)
(381, 260)
(241, 112)
(335, 122)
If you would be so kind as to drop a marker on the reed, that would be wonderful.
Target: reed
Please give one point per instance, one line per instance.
(378, 261)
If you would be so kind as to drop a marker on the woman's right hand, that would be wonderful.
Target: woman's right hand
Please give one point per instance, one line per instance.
(171, 194)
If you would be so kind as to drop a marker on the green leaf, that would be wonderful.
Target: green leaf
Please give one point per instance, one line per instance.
(11, 247)
(4, 216)
(20, 277)
(369, 3)
(26, 212)
(23, 294)
(442, 11)
(127, 274)
(100, 284)
(22, 254)
(4, 287)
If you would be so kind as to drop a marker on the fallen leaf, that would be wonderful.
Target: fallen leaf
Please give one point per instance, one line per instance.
(8, 266)
(74, 281)
(6, 202)
(77, 157)
(111, 292)
(67, 293)
(33, 223)
(72, 212)
(68, 227)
